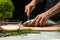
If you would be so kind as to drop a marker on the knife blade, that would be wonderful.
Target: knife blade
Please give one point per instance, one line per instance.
(28, 18)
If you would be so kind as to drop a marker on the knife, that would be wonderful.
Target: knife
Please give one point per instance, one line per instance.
(28, 18)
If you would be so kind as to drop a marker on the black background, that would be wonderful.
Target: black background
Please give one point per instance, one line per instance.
(19, 13)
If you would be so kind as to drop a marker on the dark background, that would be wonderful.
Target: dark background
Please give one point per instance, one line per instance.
(19, 13)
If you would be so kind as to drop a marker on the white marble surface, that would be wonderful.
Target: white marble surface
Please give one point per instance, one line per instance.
(42, 36)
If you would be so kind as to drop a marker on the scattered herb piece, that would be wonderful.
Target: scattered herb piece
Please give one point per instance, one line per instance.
(19, 32)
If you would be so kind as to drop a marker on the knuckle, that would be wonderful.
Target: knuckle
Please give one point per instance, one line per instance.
(26, 6)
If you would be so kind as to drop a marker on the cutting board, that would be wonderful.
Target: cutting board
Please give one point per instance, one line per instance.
(48, 28)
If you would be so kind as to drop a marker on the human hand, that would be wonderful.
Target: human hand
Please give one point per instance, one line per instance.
(40, 19)
(30, 7)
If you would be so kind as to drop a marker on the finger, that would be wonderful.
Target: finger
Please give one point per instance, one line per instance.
(44, 20)
(37, 21)
(28, 11)
(33, 20)
(41, 21)
(31, 9)
(25, 9)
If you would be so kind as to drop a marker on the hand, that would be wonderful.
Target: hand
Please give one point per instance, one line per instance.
(30, 7)
(40, 19)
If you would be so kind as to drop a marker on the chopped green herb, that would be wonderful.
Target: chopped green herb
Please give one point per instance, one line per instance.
(58, 30)
(19, 32)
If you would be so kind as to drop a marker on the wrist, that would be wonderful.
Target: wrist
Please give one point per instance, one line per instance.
(33, 2)
(37, 1)
(48, 14)
(54, 10)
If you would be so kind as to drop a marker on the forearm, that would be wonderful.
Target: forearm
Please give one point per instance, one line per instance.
(54, 10)
(37, 1)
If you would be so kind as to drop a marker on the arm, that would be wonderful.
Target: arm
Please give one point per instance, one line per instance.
(42, 18)
(54, 10)
(31, 6)
(37, 1)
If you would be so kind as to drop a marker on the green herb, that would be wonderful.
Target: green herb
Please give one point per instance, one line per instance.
(6, 9)
(58, 30)
(19, 32)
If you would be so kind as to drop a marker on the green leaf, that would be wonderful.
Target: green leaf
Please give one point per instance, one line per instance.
(6, 9)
